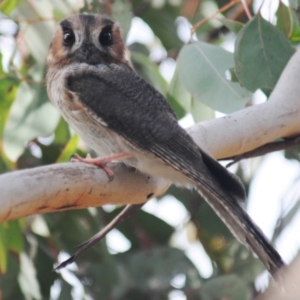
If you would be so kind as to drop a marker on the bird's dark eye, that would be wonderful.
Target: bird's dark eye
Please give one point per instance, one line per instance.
(105, 37)
(69, 38)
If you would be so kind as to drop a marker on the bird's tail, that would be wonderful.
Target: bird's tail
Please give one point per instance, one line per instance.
(240, 224)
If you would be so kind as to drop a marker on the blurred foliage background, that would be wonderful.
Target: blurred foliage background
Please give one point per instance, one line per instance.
(199, 79)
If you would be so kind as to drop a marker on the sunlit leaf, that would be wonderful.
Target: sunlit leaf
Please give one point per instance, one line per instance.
(287, 22)
(31, 115)
(36, 35)
(69, 149)
(201, 112)
(261, 53)
(202, 68)
(27, 278)
(6, 6)
(3, 248)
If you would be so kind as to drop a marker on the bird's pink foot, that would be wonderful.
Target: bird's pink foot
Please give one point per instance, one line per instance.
(101, 162)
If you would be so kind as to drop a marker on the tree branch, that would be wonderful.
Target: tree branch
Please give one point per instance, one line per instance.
(74, 185)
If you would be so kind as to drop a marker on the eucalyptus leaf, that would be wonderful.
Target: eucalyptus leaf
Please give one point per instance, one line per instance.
(149, 71)
(232, 25)
(226, 287)
(294, 3)
(3, 248)
(8, 89)
(288, 23)
(37, 35)
(66, 291)
(6, 6)
(121, 12)
(31, 115)
(162, 21)
(202, 71)
(178, 97)
(261, 53)
(69, 149)
(201, 112)
(157, 267)
(27, 278)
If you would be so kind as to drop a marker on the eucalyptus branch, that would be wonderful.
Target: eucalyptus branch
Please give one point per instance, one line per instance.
(77, 185)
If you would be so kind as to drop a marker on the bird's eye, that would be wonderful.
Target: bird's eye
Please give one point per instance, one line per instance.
(69, 38)
(105, 38)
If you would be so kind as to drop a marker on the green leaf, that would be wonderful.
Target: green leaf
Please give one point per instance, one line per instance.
(178, 96)
(62, 132)
(66, 291)
(3, 248)
(227, 286)
(149, 71)
(147, 222)
(71, 228)
(201, 112)
(94, 6)
(15, 240)
(202, 69)
(139, 48)
(245, 265)
(9, 286)
(162, 20)
(31, 115)
(11, 238)
(261, 53)
(37, 36)
(69, 149)
(121, 12)
(44, 261)
(294, 3)
(233, 26)
(157, 266)
(8, 88)
(105, 274)
(288, 23)
(6, 6)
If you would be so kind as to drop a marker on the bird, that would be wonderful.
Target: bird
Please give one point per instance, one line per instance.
(125, 119)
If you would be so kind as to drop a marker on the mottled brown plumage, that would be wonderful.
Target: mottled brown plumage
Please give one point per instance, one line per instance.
(116, 111)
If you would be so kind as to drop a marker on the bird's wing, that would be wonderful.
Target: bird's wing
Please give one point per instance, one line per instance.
(141, 115)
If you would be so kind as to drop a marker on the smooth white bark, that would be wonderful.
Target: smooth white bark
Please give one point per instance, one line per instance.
(73, 185)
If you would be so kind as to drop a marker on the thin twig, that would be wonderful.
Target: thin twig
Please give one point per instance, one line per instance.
(221, 10)
(246, 8)
(267, 148)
